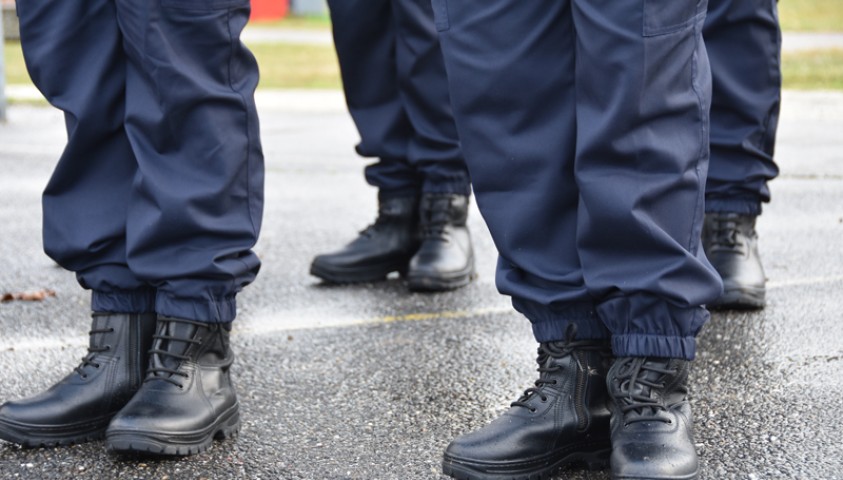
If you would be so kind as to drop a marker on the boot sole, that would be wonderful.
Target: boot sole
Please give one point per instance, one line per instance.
(693, 476)
(39, 436)
(421, 282)
(226, 426)
(367, 274)
(740, 299)
(541, 469)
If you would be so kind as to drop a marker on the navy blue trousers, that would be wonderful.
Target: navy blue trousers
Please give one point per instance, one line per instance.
(157, 199)
(397, 93)
(584, 124)
(744, 46)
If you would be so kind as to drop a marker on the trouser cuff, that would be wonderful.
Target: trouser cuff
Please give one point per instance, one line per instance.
(741, 206)
(124, 301)
(551, 323)
(646, 325)
(663, 346)
(453, 187)
(209, 310)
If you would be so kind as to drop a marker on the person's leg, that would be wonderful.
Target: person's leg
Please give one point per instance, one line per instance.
(194, 215)
(445, 258)
(518, 134)
(396, 91)
(364, 37)
(74, 55)
(643, 93)
(744, 44)
(510, 66)
(434, 147)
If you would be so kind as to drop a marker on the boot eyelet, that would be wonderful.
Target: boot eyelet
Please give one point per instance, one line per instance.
(533, 410)
(544, 399)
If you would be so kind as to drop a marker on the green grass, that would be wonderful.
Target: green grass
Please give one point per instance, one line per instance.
(282, 65)
(813, 70)
(15, 68)
(298, 23)
(315, 66)
(811, 15)
(297, 66)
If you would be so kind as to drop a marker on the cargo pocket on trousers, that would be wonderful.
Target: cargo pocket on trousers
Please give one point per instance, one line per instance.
(203, 5)
(440, 15)
(662, 17)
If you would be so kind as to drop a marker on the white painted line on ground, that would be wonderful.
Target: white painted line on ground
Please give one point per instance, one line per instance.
(289, 321)
(804, 281)
(257, 326)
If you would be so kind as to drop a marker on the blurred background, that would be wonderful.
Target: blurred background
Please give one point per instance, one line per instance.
(292, 41)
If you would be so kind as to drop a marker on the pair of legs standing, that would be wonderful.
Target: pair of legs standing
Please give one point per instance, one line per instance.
(155, 204)
(397, 94)
(586, 132)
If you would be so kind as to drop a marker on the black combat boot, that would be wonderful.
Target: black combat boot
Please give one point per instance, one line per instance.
(731, 245)
(563, 420)
(382, 248)
(80, 406)
(652, 425)
(187, 398)
(445, 259)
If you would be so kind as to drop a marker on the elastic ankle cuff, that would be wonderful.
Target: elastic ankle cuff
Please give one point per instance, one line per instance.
(454, 188)
(550, 324)
(210, 310)
(123, 301)
(741, 206)
(662, 346)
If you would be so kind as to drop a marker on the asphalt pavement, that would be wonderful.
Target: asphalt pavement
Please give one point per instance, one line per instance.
(372, 382)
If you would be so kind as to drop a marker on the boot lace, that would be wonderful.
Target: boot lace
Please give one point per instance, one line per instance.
(157, 366)
(435, 218)
(554, 350)
(725, 231)
(93, 350)
(636, 388)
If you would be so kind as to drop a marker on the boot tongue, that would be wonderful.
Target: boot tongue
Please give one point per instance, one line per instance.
(644, 379)
(435, 215)
(642, 388)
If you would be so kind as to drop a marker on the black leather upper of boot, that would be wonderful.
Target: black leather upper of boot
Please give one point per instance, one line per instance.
(731, 245)
(187, 398)
(79, 407)
(652, 425)
(383, 247)
(445, 259)
(562, 420)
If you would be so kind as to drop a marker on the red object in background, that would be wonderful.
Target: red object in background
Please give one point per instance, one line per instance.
(269, 9)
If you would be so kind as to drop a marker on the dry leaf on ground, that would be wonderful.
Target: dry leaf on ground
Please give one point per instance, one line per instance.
(27, 296)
